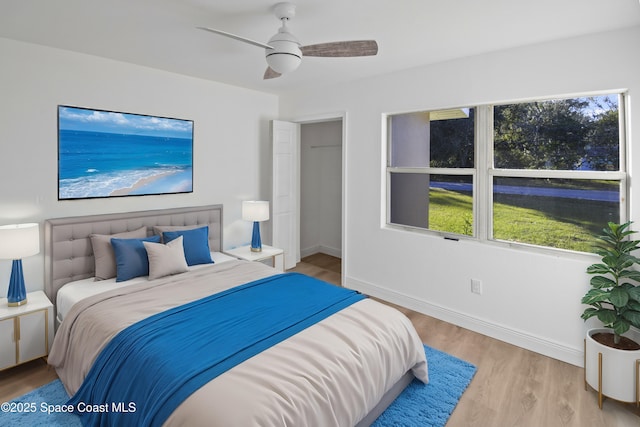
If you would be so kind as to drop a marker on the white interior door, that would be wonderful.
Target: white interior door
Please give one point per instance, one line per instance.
(285, 138)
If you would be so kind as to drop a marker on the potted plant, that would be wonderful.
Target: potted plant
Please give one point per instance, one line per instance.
(612, 353)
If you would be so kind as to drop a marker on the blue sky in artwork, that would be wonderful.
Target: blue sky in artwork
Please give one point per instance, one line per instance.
(83, 119)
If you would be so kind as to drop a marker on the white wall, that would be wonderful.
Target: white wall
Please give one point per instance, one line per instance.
(231, 137)
(321, 188)
(529, 299)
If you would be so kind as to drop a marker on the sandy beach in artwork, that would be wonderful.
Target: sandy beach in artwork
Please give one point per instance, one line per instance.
(141, 183)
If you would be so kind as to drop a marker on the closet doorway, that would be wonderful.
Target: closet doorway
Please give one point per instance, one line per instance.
(321, 188)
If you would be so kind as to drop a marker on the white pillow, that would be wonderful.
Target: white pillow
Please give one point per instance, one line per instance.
(165, 260)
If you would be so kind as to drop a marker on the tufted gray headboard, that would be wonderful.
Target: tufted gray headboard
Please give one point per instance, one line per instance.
(68, 254)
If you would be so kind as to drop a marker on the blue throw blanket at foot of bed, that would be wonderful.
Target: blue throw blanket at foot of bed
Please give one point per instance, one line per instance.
(149, 368)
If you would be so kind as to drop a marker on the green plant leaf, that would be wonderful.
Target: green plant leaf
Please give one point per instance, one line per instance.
(598, 269)
(623, 262)
(595, 296)
(621, 228)
(620, 326)
(628, 246)
(589, 313)
(600, 282)
(619, 297)
(602, 251)
(634, 305)
(631, 274)
(633, 317)
(613, 261)
(607, 317)
(634, 293)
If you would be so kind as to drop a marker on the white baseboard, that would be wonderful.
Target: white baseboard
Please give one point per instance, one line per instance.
(321, 249)
(309, 251)
(522, 339)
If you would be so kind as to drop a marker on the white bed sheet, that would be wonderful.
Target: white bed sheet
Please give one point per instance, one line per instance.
(78, 290)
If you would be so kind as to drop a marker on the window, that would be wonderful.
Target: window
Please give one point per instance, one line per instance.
(431, 170)
(547, 173)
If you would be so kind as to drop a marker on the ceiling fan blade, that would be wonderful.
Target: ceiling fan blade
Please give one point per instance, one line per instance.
(271, 74)
(239, 38)
(342, 49)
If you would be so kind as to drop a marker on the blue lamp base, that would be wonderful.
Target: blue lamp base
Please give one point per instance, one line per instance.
(256, 243)
(17, 294)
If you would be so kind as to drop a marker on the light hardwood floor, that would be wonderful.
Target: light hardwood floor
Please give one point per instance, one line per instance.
(512, 387)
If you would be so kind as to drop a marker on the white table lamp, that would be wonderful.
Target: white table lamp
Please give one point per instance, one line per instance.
(255, 211)
(16, 242)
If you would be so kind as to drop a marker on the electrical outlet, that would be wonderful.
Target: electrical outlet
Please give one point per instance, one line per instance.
(476, 286)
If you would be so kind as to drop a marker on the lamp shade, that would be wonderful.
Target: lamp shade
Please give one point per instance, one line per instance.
(19, 240)
(255, 210)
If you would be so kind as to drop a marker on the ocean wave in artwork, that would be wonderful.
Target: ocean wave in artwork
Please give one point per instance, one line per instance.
(123, 183)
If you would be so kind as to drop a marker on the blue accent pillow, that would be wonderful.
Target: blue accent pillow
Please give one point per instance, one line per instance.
(131, 257)
(195, 242)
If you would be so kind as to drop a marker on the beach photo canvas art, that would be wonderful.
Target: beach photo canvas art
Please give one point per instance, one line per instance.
(112, 154)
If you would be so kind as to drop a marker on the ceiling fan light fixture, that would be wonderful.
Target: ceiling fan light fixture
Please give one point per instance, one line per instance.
(282, 62)
(286, 54)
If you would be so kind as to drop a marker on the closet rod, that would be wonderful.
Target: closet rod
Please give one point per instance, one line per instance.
(326, 146)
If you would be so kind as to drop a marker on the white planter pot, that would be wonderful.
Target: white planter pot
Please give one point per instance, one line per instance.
(619, 377)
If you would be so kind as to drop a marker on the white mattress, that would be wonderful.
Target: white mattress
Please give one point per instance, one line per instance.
(73, 292)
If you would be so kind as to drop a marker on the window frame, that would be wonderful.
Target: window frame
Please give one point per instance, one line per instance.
(428, 170)
(484, 172)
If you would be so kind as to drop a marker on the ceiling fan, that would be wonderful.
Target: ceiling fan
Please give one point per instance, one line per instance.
(284, 52)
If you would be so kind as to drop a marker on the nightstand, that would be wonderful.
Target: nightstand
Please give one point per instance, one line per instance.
(26, 332)
(245, 253)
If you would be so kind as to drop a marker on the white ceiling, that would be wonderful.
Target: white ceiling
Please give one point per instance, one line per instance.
(162, 33)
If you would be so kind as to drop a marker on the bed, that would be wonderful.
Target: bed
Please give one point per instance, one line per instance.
(343, 370)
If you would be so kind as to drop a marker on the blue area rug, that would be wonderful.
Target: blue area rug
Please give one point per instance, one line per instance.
(430, 405)
(423, 405)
